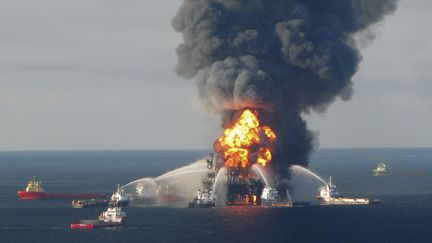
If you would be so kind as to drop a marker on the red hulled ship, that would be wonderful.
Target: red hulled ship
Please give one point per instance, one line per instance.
(34, 191)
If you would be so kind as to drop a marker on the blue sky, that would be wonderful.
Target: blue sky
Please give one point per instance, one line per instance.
(99, 75)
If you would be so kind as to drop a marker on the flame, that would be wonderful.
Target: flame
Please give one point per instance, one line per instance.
(245, 140)
(264, 156)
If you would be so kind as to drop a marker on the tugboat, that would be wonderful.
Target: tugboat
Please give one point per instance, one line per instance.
(119, 198)
(205, 199)
(381, 169)
(114, 216)
(330, 196)
(34, 190)
(89, 203)
(271, 197)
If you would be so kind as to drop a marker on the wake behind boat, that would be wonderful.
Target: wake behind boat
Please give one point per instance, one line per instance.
(34, 191)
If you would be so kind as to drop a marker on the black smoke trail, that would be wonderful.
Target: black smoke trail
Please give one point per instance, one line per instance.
(281, 57)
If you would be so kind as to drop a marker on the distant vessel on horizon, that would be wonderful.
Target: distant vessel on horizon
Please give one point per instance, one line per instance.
(330, 196)
(34, 191)
(380, 169)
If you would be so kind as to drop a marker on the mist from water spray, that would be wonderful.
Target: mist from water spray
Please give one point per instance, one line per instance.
(304, 184)
(220, 187)
(288, 195)
(200, 164)
(299, 169)
(135, 182)
(259, 170)
(184, 181)
(180, 173)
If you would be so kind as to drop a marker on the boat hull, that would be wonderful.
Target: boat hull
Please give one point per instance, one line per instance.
(277, 203)
(82, 226)
(24, 195)
(350, 201)
(89, 203)
(241, 203)
(95, 225)
(197, 204)
(122, 203)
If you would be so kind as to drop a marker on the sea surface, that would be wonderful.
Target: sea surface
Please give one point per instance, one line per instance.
(405, 214)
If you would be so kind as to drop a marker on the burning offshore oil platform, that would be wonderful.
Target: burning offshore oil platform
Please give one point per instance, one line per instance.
(240, 155)
(242, 145)
(238, 172)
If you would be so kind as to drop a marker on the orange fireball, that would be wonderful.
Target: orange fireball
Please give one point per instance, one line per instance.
(244, 141)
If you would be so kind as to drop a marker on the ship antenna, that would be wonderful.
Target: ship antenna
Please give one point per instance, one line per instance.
(330, 182)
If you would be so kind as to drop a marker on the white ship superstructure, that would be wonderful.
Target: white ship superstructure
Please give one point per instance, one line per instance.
(329, 195)
(381, 169)
(113, 214)
(119, 198)
(204, 198)
(270, 197)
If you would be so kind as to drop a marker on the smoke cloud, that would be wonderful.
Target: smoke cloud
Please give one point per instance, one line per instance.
(280, 57)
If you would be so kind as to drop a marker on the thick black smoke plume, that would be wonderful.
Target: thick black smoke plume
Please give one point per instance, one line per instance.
(281, 57)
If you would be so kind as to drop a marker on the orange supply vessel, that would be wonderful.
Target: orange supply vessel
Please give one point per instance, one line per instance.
(34, 190)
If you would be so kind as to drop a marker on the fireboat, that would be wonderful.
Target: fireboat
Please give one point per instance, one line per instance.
(330, 196)
(114, 216)
(119, 197)
(205, 199)
(34, 190)
(271, 197)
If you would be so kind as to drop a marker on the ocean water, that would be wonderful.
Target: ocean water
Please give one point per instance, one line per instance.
(405, 214)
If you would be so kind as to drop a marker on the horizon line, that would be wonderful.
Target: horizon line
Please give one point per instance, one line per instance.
(192, 149)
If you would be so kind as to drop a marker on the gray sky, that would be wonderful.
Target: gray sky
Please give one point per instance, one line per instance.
(89, 74)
